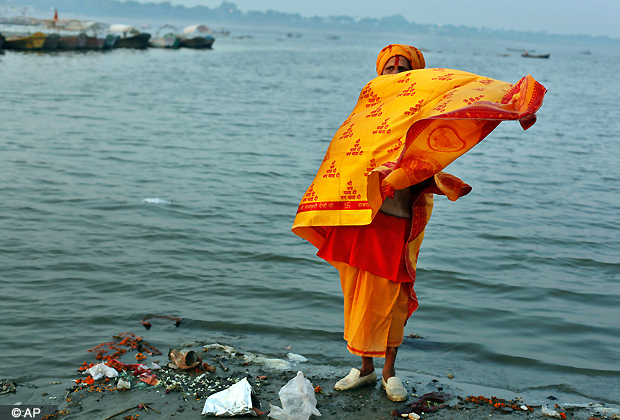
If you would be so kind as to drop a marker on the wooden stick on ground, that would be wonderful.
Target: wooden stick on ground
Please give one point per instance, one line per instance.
(151, 408)
(120, 412)
(142, 405)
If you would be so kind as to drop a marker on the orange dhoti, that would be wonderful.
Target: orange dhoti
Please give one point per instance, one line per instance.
(375, 311)
(378, 290)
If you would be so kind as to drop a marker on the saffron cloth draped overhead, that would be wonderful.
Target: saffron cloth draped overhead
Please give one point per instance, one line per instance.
(406, 128)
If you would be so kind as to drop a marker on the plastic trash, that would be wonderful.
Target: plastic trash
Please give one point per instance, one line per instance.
(123, 384)
(101, 370)
(268, 362)
(596, 409)
(298, 400)
(550, 412)
(228, 349)
(294, 357)
(233, 401)
(149, 378)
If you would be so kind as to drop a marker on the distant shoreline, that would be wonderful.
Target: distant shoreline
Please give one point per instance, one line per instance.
(227, 13)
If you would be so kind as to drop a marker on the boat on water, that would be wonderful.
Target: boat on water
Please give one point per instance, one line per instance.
(527, 54)
(129, 36)
(197, 36)
(75, 34)
(171, 38)
(51, 42)
(1, 41)
(110, 41)
(96, 34)
(72, 42)
(94, 43)
(32, 42)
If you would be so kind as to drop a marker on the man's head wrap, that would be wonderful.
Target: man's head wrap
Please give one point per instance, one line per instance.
(412, 54)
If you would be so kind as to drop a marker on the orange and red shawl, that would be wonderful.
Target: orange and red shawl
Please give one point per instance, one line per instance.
(405, 128)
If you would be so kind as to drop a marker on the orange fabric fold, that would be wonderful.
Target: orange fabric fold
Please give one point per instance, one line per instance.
(375, 311)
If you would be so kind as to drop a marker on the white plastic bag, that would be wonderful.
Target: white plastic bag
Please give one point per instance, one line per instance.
(549, 412)
(298, 400)
(233, 401)
(296, 358)
(123, 384)
(101, 370)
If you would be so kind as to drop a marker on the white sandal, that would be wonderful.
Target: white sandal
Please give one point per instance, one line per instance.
(394, 389)
(354, 380)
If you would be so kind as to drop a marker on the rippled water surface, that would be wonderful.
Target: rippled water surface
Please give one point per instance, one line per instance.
(518, 282)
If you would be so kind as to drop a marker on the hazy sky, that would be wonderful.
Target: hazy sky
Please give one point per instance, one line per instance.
(593, 17)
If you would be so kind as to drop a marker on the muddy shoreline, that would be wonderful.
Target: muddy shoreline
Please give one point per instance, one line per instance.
(181, 394)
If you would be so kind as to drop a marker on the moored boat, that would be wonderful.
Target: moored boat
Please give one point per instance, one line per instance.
(170, 39)
(527, 54)
(74, 34)
(110, 41)
(72, 42)
(94, 43)
(130, 37)
(197, 36)
(96, 34)
(51, 42)
(32, 42)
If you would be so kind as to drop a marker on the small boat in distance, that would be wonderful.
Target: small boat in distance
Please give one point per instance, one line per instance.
(170, 39)
(527, 54)
(69, 41)
(130, 37)
(33, 42)
(51, 42)
(73, 34)
(197, 36)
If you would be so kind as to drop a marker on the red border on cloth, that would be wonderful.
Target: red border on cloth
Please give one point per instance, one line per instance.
(379, 248)
(334, 205)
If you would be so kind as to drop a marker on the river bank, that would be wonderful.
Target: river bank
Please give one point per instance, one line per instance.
(181, 393)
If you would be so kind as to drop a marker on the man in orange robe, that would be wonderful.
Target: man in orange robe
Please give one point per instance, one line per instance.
(372, 197)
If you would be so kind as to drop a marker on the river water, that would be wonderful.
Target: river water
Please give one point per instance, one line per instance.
(518, 282)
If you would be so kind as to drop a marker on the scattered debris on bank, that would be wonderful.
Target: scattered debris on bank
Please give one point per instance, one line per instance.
(113, 387)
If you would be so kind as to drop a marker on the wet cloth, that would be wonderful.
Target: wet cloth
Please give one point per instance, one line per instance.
(375, 311)
(406, 128)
